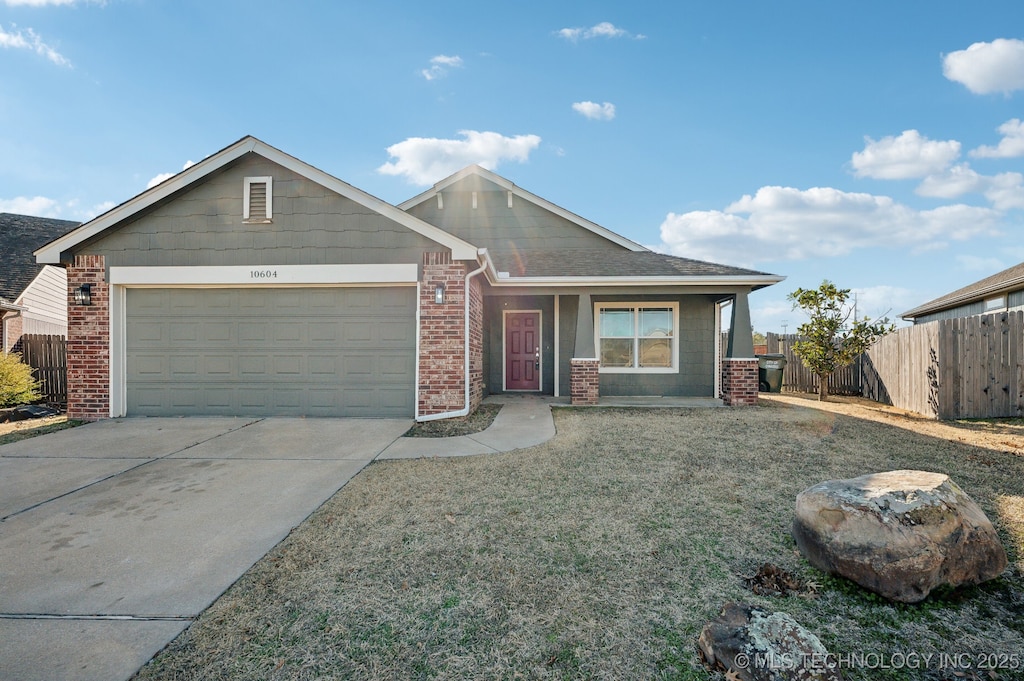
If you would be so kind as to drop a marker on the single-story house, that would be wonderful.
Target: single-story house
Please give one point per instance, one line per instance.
(255, 284)
(33, 296)
(1002, 292)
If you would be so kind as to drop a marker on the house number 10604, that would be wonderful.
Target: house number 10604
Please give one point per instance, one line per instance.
(263, 274)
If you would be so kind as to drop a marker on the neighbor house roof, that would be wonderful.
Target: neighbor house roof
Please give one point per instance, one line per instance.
(51, 253)
(20, 235)
(612, 264)
(1011, 279)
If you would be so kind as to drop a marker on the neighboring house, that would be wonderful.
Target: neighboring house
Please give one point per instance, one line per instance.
(1002, 292)
(33, 296)
(255, 284)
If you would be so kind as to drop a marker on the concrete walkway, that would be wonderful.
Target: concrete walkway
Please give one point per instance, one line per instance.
(524, 421)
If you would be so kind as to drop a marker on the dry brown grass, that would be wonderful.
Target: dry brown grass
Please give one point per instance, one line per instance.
(22, 430)
(600, 554)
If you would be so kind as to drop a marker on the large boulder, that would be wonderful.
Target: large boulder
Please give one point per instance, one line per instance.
(900, 534)
(753, 644)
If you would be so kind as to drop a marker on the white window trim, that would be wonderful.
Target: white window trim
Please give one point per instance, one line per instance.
(248, 182)
(672, 305)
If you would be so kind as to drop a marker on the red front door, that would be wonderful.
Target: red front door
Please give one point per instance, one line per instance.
(522, 351)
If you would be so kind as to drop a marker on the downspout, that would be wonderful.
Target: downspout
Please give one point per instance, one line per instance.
(465, 410)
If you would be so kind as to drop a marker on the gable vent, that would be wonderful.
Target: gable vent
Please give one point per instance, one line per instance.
(257, 204)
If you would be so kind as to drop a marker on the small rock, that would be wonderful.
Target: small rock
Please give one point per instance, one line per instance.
(752, 644)
(900, 534)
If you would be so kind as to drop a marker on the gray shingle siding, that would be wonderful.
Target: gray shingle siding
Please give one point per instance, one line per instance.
(311, 225)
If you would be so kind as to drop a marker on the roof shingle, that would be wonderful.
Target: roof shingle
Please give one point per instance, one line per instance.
(20, 235)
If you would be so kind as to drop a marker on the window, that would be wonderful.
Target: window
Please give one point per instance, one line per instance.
(257, 206)
(637, 337)
(993, 304)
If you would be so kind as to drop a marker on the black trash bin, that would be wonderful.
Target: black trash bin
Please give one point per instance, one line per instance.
(769, 372)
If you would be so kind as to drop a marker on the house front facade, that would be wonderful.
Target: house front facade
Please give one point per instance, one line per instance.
(254, 284)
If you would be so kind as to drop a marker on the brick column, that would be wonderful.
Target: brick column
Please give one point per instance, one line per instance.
(89, 341)
(13, 323)
(442, 337)
(584, 381)
(739, 382)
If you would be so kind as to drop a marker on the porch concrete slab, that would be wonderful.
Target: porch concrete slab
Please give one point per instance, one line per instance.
(80, 650)
(298, 438)
(25, 482)
(126, 438)
(163, 539)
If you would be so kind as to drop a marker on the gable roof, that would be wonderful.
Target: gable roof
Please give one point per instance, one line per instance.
(51, 252)
(20, 236)
(1010, 279)
(478, 171)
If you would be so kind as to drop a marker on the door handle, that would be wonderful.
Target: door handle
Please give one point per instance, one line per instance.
(536, 363)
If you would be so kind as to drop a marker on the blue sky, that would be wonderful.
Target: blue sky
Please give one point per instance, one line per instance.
(875, 144)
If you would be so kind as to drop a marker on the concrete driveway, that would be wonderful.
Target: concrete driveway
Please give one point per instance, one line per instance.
(115, 535)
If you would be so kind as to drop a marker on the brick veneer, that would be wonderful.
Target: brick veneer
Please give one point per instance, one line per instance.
(442, 343)
(476, 343)
(12, 324)
(89, 342)
(584, 381)
(739, 382)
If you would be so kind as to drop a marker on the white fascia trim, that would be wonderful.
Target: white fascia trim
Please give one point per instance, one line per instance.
(503, 279)
(511, 187)
(266, 275)
(50, 253)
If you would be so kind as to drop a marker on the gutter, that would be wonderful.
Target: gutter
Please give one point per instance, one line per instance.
(978, 295)
(465, 410)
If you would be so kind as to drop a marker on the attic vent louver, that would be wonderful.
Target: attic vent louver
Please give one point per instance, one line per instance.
(257, 206)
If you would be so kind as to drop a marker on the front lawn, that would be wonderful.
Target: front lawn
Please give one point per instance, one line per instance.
(600, 554)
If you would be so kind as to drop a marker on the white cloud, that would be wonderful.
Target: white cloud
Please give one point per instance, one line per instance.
(598, 112)
(29, 40)
(974, 263)
(876, 302)
(39, 206)
(957, 181)
(984, 68)
(1006, 191)
(1011, 146)
(605, 29)
(909, 155)
(439, 66)
(783, 223)
(425, 160)
(166, 176)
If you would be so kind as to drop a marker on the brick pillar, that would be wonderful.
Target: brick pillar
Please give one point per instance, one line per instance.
(89, 341)
(12, 323)
(442, 337)
(739, 382)
(584, 381)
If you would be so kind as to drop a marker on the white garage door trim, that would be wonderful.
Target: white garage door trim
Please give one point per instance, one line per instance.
(236, 276)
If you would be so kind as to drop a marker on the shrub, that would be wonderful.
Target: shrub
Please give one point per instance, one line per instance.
(16, 383)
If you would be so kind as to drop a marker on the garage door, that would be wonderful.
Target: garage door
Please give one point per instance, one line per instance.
(271, 352)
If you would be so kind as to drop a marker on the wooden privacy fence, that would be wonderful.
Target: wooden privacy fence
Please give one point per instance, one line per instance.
(798, 378)
(972, 367)
(47, 355)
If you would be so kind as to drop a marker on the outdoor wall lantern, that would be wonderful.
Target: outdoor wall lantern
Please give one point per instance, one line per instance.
(83, 295)
(439, 294)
